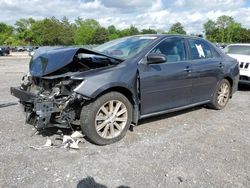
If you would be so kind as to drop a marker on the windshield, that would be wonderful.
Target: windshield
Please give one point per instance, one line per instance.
(237, 49)
(125, 48)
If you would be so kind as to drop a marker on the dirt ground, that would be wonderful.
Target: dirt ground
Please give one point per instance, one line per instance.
(192, 148)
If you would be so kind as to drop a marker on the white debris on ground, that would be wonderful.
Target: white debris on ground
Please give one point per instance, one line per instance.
(77, 135)
(48, 143)
(68, 141)
(73, 140)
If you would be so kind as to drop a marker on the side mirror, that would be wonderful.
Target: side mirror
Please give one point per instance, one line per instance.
(155, 58)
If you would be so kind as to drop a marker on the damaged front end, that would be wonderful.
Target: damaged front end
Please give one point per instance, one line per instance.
(49, 102)
(47, 91)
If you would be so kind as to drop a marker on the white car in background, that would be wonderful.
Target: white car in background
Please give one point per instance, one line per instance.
(241, 52)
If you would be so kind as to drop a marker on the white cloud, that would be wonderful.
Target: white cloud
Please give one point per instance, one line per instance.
(156, 6)
(209, 4)
(157, 14)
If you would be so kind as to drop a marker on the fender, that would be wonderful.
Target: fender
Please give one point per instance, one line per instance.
(83, 88)
(95, 92)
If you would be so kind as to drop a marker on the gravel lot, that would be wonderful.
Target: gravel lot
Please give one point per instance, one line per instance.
(192, 148)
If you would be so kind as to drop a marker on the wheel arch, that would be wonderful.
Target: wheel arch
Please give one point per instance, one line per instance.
(128, 94)
(123, 90)
(230, 80)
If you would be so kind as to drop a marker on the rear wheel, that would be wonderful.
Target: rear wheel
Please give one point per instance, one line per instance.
(221, 95)
(107, 119)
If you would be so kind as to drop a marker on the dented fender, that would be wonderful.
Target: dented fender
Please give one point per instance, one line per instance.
(98, 81)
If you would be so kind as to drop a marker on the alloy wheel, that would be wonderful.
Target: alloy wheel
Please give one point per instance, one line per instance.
(223, 94)
(111, 119)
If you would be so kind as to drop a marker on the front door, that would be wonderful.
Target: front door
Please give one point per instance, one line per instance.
(166, 85)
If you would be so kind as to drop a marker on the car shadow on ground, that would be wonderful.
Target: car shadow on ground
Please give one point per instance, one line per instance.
(52, 131)
(243, 87)
(90, 182)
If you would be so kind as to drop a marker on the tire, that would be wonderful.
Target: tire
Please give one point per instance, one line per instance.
(221, 95)
(100, 125)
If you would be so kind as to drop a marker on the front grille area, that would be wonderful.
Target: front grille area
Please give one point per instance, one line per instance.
(247, 65)
(244, 65)
(241, 65)
(246, 78)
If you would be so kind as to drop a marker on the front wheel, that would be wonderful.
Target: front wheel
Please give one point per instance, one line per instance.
(221, 95)
(107, 119)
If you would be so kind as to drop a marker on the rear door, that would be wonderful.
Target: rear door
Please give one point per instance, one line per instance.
(166, 85)
(207, 67)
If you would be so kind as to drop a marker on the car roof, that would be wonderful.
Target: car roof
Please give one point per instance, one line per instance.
(168, 35)
(240, 44)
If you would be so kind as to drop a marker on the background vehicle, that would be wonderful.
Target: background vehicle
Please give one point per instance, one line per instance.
(4, 50)
(1, 51)
(241, 52)
(21, 49)
(31, 50)
(220, 45)
(124, 80)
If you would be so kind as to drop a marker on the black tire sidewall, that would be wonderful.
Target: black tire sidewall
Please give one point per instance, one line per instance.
(215, 103)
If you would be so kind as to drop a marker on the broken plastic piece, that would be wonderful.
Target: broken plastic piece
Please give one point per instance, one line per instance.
(76, 135)
(7, 104)
(48, 143)
(70, 142)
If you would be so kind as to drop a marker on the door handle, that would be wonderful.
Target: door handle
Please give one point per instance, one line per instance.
(187, 69)
(221, 65)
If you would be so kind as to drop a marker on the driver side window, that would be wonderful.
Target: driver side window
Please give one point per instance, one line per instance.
(173, 49)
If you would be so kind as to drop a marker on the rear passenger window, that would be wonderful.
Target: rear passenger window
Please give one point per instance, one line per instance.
(173, 49)
(199, 49)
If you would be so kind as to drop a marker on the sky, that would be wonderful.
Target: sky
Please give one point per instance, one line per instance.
(155, 14)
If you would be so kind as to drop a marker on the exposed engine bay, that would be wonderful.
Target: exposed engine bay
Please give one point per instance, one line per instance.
(47, 91)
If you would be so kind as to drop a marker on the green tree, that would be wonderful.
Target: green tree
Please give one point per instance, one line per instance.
(124, 32)
(225, 30)
(6, 32)
(67, 31)
(223, 22)
(100, 35)
(232, 32)
(113, 32)
(177, 28)
(149, 31)
(112, 29)
(51, 31)
(133, 30)
(210, 28)
(24, 32)
(241, 36)
(85, 30)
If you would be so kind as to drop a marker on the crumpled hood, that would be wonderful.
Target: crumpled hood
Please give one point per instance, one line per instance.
(47, 60)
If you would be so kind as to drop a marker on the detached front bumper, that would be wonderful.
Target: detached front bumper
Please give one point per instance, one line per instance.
(43, 112)
(38, 111)
(22, 95)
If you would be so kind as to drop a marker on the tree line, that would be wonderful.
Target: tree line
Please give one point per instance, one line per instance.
(226, 30)
(52, 31)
